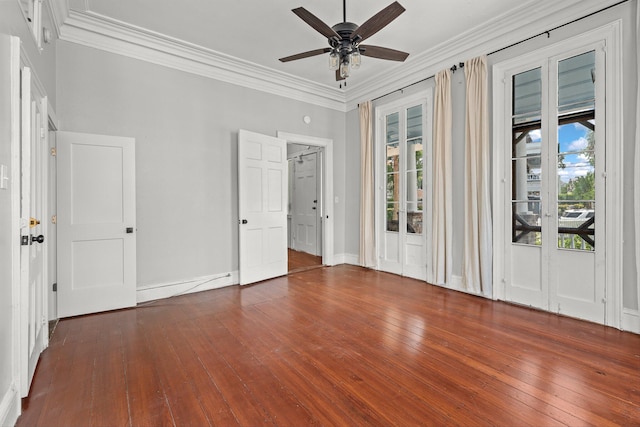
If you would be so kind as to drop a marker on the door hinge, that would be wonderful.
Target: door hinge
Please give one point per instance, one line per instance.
(53, 151)
(54, 219)
(55, 287)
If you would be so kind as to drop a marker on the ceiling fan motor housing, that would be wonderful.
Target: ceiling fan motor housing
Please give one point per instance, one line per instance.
(345, 44)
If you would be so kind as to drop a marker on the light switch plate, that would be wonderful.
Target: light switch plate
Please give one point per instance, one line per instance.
(4, 178)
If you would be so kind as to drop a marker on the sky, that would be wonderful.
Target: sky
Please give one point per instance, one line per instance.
(572, 138)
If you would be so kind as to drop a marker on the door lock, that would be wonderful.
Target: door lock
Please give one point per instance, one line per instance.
(129, 230)
(33, 222)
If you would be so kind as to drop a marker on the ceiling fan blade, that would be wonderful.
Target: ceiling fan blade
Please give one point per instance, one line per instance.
(378, 21)
(338, 76)
(305, 54)
(383, 53)
(315, 22)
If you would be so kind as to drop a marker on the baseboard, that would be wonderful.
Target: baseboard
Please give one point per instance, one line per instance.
(10, 406)
(456, 284)
(631, 320)
(198, 284)
(346, 259)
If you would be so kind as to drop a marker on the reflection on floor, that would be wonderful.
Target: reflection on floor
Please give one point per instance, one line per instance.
(301, 261)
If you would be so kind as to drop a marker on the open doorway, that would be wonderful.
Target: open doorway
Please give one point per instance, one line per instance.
(304, 214)
(310, 215)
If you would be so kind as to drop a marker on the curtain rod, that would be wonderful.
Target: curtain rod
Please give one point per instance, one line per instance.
(548, 33)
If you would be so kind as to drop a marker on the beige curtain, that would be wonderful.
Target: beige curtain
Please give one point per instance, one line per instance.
(441, 225)
(476, 271)
(367, 232)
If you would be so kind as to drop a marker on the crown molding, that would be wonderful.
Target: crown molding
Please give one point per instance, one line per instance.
(531, 18)
(59, 12)
(100, 32)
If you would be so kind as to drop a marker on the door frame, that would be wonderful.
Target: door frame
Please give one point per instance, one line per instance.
(611, 36)
(327, 189)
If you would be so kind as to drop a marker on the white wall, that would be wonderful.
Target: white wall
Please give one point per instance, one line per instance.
(626, 12)
(186, 152)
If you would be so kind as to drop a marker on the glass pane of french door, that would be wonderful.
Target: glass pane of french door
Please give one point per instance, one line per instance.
(526, 158)
(414, 170)
(392, 147)
(576, 190)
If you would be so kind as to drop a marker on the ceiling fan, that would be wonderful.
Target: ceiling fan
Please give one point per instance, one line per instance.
(345, 37)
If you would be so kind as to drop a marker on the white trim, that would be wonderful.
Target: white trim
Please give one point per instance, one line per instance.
(101, 32)
(630, 320)
(10, 406)
(59, 10)
(611, 34)
(531, 18)
(458, 285)
(198, 284)
(16, 331)
(328, 220)
(350, 259)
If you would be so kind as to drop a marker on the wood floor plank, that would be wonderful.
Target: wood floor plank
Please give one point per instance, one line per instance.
(334, 346)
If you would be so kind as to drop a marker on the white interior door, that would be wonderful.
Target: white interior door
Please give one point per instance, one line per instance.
(262, 206)
(555, 256)
(96, 223)
(34, 331)
(401, 196)
(306, 204)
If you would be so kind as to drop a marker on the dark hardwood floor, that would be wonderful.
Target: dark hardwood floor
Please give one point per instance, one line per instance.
(334, 346)
(301, 261)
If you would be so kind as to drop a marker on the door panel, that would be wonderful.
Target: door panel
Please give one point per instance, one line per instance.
(305, 204)
(262, 200)
(96, 223)
(33, 183)
(557, 185)
(401, 197)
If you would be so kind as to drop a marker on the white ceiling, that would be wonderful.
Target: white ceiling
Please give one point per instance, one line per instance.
(261, 31)
(240, 41)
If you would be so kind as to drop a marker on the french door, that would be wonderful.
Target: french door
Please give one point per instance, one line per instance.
(402, 197)
(554, 198)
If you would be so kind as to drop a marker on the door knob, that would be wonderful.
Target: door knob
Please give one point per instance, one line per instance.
(244, 221)
(38, 239)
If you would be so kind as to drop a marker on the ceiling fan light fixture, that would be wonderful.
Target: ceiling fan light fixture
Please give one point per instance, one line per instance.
(344, 68)
(356, 59)
(334, 60)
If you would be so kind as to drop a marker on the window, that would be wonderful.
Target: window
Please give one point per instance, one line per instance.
(573, 166)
